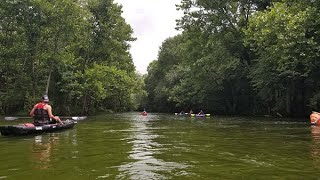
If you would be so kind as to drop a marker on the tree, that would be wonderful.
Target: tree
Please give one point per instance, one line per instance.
(284, 38)
(73, 41)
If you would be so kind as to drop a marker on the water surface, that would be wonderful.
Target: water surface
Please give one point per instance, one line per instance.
(161, 146)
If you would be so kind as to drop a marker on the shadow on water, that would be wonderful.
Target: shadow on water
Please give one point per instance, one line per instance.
(145, 164)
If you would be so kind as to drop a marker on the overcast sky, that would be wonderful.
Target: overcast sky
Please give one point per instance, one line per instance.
(152, 21)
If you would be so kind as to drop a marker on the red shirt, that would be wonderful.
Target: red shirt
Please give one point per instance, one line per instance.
(40, 105)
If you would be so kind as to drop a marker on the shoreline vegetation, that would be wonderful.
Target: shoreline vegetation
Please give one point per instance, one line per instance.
(261, 60)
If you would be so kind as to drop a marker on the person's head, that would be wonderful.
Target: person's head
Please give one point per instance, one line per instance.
(45, 98)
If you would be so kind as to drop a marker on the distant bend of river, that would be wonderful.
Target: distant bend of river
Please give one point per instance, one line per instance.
(162, 146)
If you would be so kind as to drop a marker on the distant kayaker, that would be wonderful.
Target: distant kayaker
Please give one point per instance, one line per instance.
(182, 113)
(42, 113)
(201, 112)
(144, 113)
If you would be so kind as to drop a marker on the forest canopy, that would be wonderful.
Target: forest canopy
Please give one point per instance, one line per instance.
(82, 45)
(240, 57)
(256, 57)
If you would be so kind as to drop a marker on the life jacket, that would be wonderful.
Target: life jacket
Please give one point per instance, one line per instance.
(41, 115)
(314, 119)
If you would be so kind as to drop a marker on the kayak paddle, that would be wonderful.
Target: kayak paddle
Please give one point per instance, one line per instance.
(15, 118)
(76, 118)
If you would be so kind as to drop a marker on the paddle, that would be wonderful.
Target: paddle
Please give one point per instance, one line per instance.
(76, 118)
(15, 118)
(181, 113)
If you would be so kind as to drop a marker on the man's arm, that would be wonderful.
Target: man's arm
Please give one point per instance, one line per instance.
(49, 109)
(52, 116)
(32, 111)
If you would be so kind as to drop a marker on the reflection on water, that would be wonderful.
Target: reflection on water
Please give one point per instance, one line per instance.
(42, 150)
(144, 148)
(129, 146)
(315, 147)
(46, 147)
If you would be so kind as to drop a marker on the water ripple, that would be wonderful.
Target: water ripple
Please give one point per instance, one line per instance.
(145, 166)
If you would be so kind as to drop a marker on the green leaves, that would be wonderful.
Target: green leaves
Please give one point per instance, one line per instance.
(83, 43)
(279, 37)
(240, 57)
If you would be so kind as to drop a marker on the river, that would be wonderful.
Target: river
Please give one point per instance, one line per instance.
(162, 146)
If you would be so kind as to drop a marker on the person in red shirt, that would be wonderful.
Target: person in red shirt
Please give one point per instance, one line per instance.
(42, 113)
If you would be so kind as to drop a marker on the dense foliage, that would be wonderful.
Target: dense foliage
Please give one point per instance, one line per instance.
(240, 57)
(82, 45)
(232, 57)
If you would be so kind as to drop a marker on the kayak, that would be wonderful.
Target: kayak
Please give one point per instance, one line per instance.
(181, 114)
(30, 128)
(200, 115)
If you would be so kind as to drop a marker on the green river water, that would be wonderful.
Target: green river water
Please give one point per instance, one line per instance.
(162, 146)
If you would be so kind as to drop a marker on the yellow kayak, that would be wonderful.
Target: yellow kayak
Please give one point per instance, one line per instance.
(200, 115)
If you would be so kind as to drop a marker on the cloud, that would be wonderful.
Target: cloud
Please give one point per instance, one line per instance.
(152, 22)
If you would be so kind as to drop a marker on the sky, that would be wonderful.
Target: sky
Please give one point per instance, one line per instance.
(152, 21)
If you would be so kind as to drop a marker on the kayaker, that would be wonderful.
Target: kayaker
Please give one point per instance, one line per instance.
(201, 112)
(42, 113)
(144, 113)
(182, 113)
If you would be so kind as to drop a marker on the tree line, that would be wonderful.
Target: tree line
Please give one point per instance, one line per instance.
(82, 45)
(256, 57)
